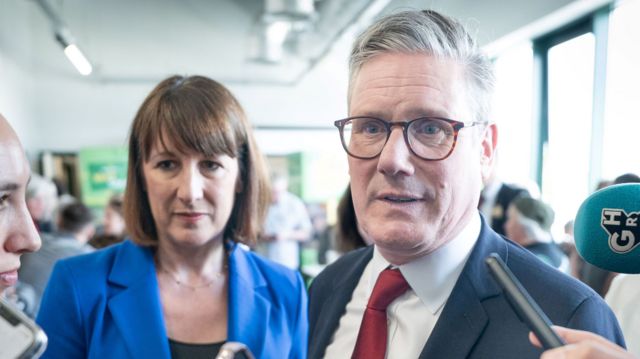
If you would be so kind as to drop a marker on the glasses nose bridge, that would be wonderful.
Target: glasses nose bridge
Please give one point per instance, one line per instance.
(403, 125)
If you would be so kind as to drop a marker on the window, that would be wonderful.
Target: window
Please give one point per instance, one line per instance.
(622, 113)
(512, 112)
(566, 155)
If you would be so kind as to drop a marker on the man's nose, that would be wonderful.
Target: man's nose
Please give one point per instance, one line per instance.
(395, 157)
(23, 236)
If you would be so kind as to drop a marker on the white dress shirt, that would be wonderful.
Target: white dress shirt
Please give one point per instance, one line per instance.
(412, 316)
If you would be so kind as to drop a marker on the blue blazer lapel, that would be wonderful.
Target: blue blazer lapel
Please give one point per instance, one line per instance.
(249, 310)
(335, 304)
(464, 318)
(135, 304)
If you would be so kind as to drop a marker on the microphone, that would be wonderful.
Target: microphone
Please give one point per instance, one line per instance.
(606, 228)
(234, 350)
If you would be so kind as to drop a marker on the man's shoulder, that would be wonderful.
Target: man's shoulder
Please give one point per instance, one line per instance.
(546, 283)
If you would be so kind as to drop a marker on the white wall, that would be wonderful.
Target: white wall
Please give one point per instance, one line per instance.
(16, 84)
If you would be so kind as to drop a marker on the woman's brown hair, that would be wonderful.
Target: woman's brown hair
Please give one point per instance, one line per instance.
(200, 115)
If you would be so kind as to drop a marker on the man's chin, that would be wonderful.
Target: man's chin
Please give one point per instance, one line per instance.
(400, 246)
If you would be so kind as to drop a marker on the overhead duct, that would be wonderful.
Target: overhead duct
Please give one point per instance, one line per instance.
(280, 20)
(301, 9)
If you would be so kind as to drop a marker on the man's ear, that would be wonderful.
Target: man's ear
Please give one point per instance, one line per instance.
(488, 145)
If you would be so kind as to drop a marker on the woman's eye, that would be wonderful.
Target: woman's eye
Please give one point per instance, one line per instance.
(210, 165)
(166, 165)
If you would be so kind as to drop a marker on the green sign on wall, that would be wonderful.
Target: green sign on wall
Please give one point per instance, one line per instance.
(103, 173)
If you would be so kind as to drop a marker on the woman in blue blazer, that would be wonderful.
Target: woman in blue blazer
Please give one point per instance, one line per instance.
(185, 284)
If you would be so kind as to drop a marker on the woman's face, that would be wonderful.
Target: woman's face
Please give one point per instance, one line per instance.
(191, 196)
(113, 222)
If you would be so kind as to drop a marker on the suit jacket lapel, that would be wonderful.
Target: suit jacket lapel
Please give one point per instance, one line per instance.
(335, 304)
(463, 318)
(135, 304)
(249, 310)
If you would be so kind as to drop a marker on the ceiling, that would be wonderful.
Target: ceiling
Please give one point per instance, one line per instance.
(143, 40)
(133, 44)
(132, 41)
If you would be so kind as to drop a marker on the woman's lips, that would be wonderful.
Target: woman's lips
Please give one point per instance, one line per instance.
(191, 217)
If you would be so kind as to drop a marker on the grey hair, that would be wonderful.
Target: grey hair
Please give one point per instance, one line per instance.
(428, 32)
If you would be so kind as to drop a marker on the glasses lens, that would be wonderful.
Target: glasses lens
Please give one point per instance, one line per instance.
(364, 137)
(431, 138)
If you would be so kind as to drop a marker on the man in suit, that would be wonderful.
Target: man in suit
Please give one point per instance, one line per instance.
(419, 146)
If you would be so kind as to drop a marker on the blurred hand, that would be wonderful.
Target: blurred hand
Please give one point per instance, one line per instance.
(581, 344)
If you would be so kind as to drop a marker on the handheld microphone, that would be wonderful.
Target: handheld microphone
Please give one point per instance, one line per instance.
(606, 228)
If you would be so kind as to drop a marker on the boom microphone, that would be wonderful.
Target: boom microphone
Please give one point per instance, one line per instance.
(607, 231)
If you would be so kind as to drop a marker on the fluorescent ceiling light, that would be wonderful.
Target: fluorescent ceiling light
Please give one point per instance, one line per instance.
(78, 59)
(75, 56)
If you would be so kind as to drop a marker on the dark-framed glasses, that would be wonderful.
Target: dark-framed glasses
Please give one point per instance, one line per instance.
(429, 138)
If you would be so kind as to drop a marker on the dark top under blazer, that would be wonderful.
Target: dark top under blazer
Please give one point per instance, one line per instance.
(106, 305)
(476, 321)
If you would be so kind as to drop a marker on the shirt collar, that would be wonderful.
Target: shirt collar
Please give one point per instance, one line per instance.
(443, 267)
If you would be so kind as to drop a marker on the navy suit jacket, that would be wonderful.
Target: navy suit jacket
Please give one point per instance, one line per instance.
(106, 305)
(476, 321)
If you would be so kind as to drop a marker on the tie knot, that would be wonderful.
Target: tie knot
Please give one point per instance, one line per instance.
(389, 286)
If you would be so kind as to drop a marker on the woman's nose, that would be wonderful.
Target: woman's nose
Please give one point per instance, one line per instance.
(191, 184)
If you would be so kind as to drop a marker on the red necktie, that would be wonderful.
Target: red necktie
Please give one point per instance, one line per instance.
(372, 338)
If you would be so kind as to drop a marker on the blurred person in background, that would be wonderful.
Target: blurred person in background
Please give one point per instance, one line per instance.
(529, 224)
(495, 198)
(113, 224)
(287, 224)
(42, 200)
(348, 235)
(185, 284)
(75, 228)
(18, 234)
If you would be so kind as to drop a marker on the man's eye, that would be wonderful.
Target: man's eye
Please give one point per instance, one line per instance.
(370, 127)
(431, 128)
(4, 199)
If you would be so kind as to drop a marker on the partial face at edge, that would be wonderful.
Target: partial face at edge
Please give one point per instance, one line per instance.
(18, 234)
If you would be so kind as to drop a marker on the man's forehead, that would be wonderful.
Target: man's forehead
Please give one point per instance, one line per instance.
(421, 84)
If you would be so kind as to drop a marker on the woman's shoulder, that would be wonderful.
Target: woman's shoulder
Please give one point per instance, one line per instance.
(100, 261)
(271, 271)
